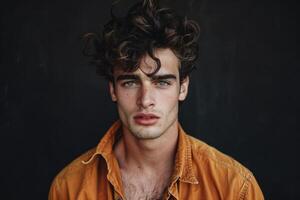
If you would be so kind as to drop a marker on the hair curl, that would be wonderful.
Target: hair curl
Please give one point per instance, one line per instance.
(145, 28)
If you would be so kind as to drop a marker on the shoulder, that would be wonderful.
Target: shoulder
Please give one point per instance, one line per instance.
(69, 182)
(76, 167)
(222, 172)
(75, 173)
(213, 158)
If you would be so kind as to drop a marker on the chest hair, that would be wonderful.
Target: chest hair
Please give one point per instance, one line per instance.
(139, 187)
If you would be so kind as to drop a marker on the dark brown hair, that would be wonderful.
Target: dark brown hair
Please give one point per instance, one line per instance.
(145, 28)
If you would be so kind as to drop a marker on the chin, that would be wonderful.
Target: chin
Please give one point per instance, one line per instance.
(146, 132)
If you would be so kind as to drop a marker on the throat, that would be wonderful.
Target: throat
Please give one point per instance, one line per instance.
(134, 157)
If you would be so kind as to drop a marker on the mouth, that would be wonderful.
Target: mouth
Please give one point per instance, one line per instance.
(145, 119)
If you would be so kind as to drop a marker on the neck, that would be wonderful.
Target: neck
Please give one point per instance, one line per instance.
(150, 155)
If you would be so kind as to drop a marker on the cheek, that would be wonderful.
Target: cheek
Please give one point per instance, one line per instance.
(124, 95)
(125, 101)
(168, 99)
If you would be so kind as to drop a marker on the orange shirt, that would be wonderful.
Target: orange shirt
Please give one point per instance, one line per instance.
(200, 172)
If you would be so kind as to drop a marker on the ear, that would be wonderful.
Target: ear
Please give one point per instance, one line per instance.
(112, 91)
(184, 87)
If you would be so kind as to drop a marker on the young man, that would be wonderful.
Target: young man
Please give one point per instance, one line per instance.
(147, 57)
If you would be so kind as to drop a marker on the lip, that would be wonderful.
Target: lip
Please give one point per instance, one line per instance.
(145, 119)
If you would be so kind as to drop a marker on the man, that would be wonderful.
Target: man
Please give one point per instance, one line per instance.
(147, 57)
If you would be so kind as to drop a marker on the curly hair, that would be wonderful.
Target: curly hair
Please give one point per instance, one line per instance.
(146, 27)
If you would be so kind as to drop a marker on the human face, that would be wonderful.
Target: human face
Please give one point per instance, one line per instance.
(148, 106)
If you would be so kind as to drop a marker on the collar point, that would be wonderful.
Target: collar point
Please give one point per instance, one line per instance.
(191, 180)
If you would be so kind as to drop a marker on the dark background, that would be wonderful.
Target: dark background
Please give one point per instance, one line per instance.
(244, 96)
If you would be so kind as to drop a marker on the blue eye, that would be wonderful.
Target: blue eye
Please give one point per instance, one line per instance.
(129, 84)
(162, 83)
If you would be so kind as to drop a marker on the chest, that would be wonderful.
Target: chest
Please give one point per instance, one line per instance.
(137, 187)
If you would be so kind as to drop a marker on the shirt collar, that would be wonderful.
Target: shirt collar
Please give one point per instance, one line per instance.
(105, 149)
(105, 146)
(183, 164)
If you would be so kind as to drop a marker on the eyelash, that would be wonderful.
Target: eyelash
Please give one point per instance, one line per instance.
(162, 83)
(129, 83)
(159, 83)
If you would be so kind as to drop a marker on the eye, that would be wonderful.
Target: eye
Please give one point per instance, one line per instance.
(162, 83)
(129, 84)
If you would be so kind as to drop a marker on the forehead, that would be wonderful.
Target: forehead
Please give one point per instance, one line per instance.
(168, 60)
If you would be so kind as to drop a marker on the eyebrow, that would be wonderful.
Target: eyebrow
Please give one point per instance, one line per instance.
(136, 77)
(126, 77)
(162, 77)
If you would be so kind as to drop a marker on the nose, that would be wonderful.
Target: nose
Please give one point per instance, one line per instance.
(146, 97)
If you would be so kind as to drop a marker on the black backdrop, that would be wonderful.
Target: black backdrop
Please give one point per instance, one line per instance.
(243, 97)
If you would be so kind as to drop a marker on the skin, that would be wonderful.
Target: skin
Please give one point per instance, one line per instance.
(146, 151)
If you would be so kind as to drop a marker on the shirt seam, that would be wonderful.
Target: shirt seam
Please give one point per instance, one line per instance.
(190, 175)
(245, 187)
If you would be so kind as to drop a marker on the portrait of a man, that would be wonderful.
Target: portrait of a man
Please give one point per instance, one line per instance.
(147, 57)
